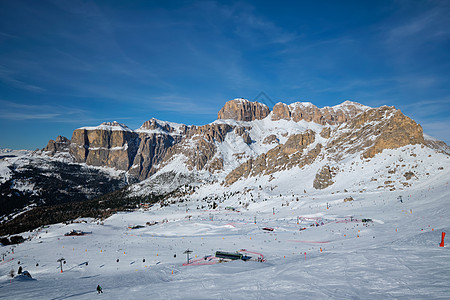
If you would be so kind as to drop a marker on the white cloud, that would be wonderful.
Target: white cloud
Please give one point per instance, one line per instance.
(20, 112)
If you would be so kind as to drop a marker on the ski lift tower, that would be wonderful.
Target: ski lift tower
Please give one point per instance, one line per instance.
(187, 252)
(61, 260)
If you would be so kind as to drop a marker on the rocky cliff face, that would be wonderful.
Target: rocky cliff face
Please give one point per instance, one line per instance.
(110, 144)
(199, 147)
(243, 110)
(61, 144)
(286, 156)
(324, 178)
(309, 112)
(295, 149)
(251, 150)
(152, 149)
(373, 131)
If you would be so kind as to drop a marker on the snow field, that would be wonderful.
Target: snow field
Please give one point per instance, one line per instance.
(395, 256)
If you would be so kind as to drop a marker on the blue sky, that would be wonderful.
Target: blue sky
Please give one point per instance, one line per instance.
(68, 64)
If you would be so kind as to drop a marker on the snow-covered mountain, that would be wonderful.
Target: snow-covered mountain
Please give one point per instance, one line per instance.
(317, 244)
(337, 202)
(295, 149)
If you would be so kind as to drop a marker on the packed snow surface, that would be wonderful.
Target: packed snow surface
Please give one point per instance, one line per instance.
(319, 248)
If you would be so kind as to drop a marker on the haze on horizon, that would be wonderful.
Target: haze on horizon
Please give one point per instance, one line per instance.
(68, 64)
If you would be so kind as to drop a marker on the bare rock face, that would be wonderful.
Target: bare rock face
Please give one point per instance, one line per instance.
(408, 175)
(242, 131)
(297, 142)
(309, 112)
(270, 139)
(282, 157)
(79, 145)
(215, 165)
(153, 124)
(349, 128)
(198, 147)
(211, 132)
(152, 149)
(200, 155)
(397, 132)
(146, 150)
(243, 110)
(197, 150)
(110, 144)
(281, 111)
(437, 145)
(245, 170)
(326, 133)
(373, 131)
(155, 138)
(61, 144)
(324, 178)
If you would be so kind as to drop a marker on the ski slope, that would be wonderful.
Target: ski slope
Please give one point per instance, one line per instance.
(395, 256)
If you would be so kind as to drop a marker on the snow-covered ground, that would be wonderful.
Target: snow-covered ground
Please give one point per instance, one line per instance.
(397, 255)
(8, 157)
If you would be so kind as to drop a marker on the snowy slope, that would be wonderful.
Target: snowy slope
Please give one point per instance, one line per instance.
(7, 158)
(393, 169)
(395, 256)
(320, 248)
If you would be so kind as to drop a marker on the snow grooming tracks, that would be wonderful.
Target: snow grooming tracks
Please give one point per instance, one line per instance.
(311, 242)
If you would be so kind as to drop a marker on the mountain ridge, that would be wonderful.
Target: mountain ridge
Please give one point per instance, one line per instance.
(255, 148)
(115, 145)
(145, 151)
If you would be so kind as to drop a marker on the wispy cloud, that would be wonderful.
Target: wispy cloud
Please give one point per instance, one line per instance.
(20, 112)
(413, 37)
(253, 27)
(180, 104)
(432, 23)
(8, 35)
(8, 77)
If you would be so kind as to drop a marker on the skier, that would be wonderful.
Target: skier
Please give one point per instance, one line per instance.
(99, 289)
(20, 270)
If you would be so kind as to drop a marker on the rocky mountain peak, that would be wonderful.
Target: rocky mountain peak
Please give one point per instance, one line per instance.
(61, 144)
(108, 126)
(243, 110)
(309, 112)
(241, 150)
(154, 124)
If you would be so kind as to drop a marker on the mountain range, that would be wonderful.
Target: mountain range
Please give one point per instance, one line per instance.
(296, 149)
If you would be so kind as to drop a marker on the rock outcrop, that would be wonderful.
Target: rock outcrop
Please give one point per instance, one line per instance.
(324, 178)
(111, 145)
(271, 139)
(282, 157)
(152, 149)
(437, 145)
(347, 128)
(309, 112)
(242, 131)
(373, 131)
(326, 132)
(211, 132)
(243, 110)
(399, 131)
(61, 144)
